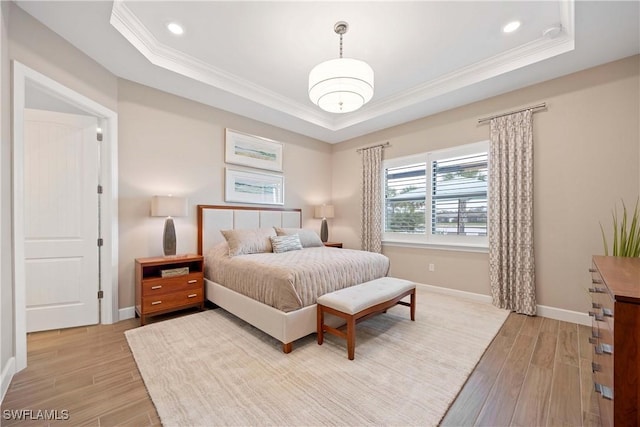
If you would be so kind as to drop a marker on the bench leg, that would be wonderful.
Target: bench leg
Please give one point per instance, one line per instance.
(287, 347)
(413, 305)
(320, 326)
(351, 337)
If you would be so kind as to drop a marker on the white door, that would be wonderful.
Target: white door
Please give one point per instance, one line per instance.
(61, 158)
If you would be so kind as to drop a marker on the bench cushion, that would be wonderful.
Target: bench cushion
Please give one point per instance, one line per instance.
(356, 298)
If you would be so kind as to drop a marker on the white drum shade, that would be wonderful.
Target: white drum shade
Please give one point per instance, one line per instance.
(341, 85)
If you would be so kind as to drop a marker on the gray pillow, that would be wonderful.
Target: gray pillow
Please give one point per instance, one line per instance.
(308, 238)
(286, 243)
(253, 241)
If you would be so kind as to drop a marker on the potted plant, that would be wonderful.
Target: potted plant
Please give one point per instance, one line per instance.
(626, 233)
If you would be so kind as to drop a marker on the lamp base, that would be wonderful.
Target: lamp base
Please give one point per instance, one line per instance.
(169, 238)
(324, 231)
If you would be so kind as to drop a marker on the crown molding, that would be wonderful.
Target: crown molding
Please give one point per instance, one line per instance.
(132, 29)
(128, 24)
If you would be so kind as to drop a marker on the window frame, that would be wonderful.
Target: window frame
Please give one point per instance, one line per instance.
(428, 239)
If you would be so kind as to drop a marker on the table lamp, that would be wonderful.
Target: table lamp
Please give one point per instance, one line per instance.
(169, 207)
(324, 212)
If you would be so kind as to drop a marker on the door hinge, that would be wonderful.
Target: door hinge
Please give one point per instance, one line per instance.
(100, 241)
(100, 294)
(99, 189)
(99, 135)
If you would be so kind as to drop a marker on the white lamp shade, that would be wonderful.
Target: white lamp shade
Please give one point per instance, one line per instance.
(168, 206)
(341, 85)
(324, 211)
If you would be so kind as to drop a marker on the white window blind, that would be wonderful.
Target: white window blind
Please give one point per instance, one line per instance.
(438, 197)
(405, 191)
(459, 195)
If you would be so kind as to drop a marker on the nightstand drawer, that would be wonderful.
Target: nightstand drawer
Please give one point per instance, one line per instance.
(172, 300)
(171, 284)
(158, 295)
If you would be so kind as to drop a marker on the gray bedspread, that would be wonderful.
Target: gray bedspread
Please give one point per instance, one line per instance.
(291, 280)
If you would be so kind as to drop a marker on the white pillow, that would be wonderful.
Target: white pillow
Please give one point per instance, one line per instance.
(252, 241)
(286, 243)
(308, 238)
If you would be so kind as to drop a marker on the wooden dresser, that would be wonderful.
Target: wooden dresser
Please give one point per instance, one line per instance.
(156, 294)
(616, 338)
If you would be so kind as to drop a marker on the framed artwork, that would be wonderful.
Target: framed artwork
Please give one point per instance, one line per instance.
(253, 187)
(253, 151)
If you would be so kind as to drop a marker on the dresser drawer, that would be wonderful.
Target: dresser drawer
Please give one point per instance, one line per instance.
(172, 300)
(171, 284)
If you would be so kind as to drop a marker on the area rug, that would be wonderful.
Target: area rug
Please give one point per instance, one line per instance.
(212, 368)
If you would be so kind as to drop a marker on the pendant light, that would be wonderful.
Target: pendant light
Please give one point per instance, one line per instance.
(341, 85)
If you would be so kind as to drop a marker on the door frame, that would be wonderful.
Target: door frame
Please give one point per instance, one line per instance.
(108, 121)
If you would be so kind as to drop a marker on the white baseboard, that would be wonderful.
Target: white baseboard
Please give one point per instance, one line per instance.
(126, 313)
(542, 310)
(7, 375)
(564, 315)
(457, 293)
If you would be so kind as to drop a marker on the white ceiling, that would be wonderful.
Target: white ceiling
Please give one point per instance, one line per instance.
(253, 58)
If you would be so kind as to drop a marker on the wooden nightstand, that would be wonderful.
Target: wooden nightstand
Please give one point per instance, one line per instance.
(333, 244)
(157, 295)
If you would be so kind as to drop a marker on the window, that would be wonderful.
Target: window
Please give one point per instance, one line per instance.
(437, 197)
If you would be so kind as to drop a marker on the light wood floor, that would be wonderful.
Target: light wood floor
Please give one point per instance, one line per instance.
(536, 372)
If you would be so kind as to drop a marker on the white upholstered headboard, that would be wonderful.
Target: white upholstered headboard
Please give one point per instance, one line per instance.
(212, 219)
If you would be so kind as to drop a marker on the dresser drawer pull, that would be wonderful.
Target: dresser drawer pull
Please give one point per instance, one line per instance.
(595, 367)
(604, 349)
(596, 305)
(593, 270)
(598, 317)
(593, 340)
(597, 290)
(596, 281)
(606, 392)
(192, 281)
(192, 295)
(607, 312)
(156, 302)
(160, 286)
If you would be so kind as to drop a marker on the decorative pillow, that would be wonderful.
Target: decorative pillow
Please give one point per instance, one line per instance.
(286, 243)
(248, 241)
(308, 238)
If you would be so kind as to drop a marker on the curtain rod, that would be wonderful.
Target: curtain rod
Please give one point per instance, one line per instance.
(533, 107)
(386, 144)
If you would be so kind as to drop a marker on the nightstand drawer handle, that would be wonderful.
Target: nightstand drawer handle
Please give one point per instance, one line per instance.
(597, 290)
(596, 305)
(156, 287)
(595, 367)
(593, 340)
(192, 295)
(592, 270)
(156, 302)
(192, 281)
(597, 281)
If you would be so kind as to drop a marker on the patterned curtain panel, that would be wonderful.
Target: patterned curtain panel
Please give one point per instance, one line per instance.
(372, 199)
(511, 263)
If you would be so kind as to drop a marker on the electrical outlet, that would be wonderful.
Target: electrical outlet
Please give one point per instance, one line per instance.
(432, 267)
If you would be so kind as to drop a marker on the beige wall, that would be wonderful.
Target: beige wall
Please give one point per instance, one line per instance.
(586, 154)
(169, 145)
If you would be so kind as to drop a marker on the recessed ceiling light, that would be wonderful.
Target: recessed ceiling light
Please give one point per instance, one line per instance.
(511, 27)
(175, 28)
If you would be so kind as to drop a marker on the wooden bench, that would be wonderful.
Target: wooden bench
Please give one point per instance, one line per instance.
(360, 302)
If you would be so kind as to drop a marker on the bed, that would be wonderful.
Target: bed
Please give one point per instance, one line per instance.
(295, 316)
